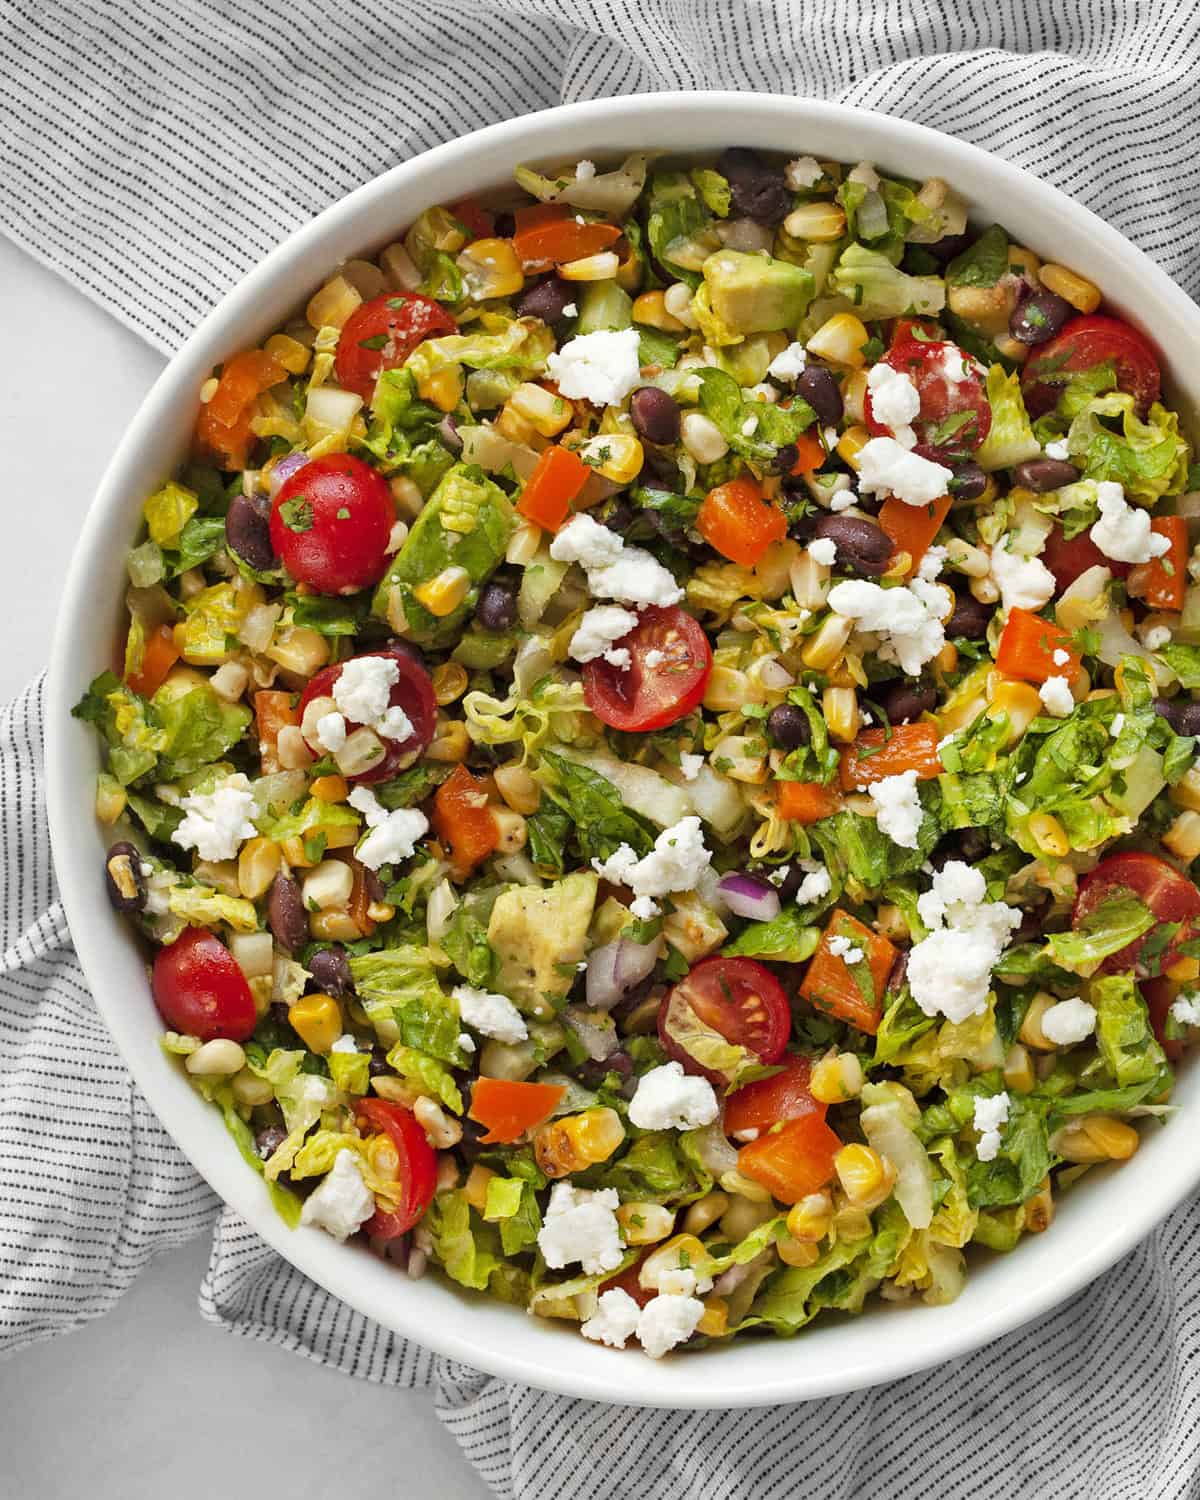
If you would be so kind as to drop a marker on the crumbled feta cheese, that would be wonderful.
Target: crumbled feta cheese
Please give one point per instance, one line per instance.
(1068, 1022)
(490, 1015)
(886, 467)
(823, 550)
(845, 949)
(345, 1043)
(899, 807)
(866, 174)
(803, 173)
(682, 1281)
(907, 620)
(1117, 725)
(789, 363)
(780, 873)
(466, 1041)
(614, 571)
(1058, 449)
(991, 1112)
(581, 1226)
(363, 687)
(895, 401)
(1123, 530)
(932, 563)
(331, 732)
(816, 885)
(393, 835)
(761, 392)
(750, 426)
(1024, 582)
(1055, 694)
(216, 822)
(1155, 637)
(598, 629)
(954, 367)
(342, 1202)
(615, 1320)
(667, 1098)
(950, 971)
(1186, 1010)
(570, 311)
(585, 170)
(1060, 657)
(690, 765)
(600, 367)
(653, 658)
(676, 863)
(394, 724)
(667, 1320)
(842, 498)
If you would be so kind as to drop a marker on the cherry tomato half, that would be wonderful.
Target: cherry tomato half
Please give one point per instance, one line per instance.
(200, 989)
(955, 414)
(331, 523)
(642, 696)
(416, 1173)
(1158, 885)
(1068, 559)
(1084, 343)
(768, 1101)
(412, 691)
(382, 333)
(737, 997)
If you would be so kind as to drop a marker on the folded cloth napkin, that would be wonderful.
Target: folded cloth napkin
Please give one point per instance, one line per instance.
(152, 156)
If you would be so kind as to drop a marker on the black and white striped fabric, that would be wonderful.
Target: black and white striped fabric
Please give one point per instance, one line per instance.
(152, 155)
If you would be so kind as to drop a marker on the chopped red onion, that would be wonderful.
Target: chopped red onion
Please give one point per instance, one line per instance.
(615, 969)
(748, 896)
(448, 432)
(284, 469)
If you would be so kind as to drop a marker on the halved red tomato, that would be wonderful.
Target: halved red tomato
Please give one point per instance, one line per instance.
(412, 691)
(1084, 343)
(1068, 559)
(416, 1170)
(331, 523)
(1157, 884)
(738, 999)
(382, 333)
(653, 690)
(955, 412)
(768, 1101)
(200, 989)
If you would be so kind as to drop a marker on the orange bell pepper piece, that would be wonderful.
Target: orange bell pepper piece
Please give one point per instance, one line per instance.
(793, 1161)
(223, 430)
(510, 1109)
(272, 711)
(1028, 645)
(807, 801)
(463, 822)
(548, 234)
(739, 522)
(853, 992)
(1162, 582)
(555, 483)
(912, 527)
(159, 655)
(878, 753)
(810, 454)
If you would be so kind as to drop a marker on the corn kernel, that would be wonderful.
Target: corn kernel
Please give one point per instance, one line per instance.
(714, 1322)
(811, 1219)
(1018, 1069)
(510, 423)
(298, 649)
(600, 267)
(617, 456)
(518, 788)
(1184, 970)
(476, 1186)
(986, 590)
(442, 595)
(683, 1252)
(1039, 1210)
(490, 268)
(318, 1021)
(440, 1129)
(836, 1077)
(399, 269)
(333, 926)
(866, 1177)
(705, 1212)
(1095, 1138)
(839, 707)
(820, 222)
(677, 300)
(451, 744)
(987, 308)
(330, 789)
(1083, 295)
(361, 750)
(258, 865)
(548, 413)
(523, 544)
(796, 1252)
(650, 309)
(573, 1142)
(840, 339)
(1049, 835)
(827, 644)
(1183, 836)
(449, 682)
(1186, 791)
(333, 304)
(854, 392)
(1018, 700)
(851, 444)
(702, 438)
(744, 1187)
(1031, 1033)
(645, 1223)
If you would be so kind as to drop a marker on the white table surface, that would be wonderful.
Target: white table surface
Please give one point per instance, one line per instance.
(107, 1412)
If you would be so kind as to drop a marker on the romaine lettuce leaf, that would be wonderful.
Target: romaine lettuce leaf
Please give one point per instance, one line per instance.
(1120, 919)
(982, 264)
(1010, 438)
(1149, 459)
(1123, 1031)
(785, 939)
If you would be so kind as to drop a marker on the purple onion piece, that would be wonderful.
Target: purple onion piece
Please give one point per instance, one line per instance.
(448, 432)
(748, 896)
(284, 469)
(617, 968)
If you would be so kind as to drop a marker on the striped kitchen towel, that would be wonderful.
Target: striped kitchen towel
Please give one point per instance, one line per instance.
(152, 155)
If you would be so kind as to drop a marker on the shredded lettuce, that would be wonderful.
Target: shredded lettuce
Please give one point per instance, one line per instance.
(1149, 459)
(1123, 1032)
(1010, 438)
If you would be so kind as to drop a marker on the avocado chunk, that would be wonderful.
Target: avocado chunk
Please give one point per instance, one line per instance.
(755, 293)
(538, 935)
(466, 523)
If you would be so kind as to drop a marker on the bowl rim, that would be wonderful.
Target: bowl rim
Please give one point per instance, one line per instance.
(588, 1371)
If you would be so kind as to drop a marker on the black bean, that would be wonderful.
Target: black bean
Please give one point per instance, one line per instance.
(286, 915)
(821, 391)
(1042, 474)
(248, 531)
(661, 467)
(546, 299)
(790, 884)
(785, 459)
(497, 607)
(592, 1073)
(1183, 717)
(969, 482)
(970, 618)
(123, 877)
(757, 189)
(788, 726)
(621, 517)
(655, 415)
(377, 1063)
(948, 247)
(904, 701)
(1039, 317)
(505, 226)
(862, 547)
(898, 974)
(268, 1140)
(330, 969)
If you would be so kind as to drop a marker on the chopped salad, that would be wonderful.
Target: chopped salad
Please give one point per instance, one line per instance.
(655, 747)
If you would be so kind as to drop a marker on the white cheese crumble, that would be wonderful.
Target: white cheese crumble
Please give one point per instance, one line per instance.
(750, 426)
(614, 571)
(991, 1112)
(1155, 637)
(216, 822)
(816, 885)
(599, 629)
(667, 1098)
(886, 467)
(667, 1320)
(1117, 725)
(842, 497)
(570, 311)
(490, 1015)
(393, 836)
(1060, 657)
(653, 658)
(1123, 530)
(932, 563)
(1058, 449)
(1055, 694)
(345, 1043)
(581, 1226)
(866, 174)
(363, 687)
(950, 971)
(342, 1202)
(690, 765)
(394, 724)
(1068, 1022)
(615, 1320)
(899, 807)
(331, 732)
(803, 173)
(600, 367)
(907, 620)
(845, 949)
(954, 367)
(676, 863)
(585, 170)
(789, 363)
(1186, 1010)
(895, 401)
(824, 551)
(1024, 582)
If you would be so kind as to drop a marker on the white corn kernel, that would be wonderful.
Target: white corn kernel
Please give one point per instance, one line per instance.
(229, 681)
(216, 1059)
(702, 438)
(677, 300)
(293, 753)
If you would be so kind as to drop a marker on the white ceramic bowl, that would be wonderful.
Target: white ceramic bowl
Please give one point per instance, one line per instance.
(1094, 1224)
